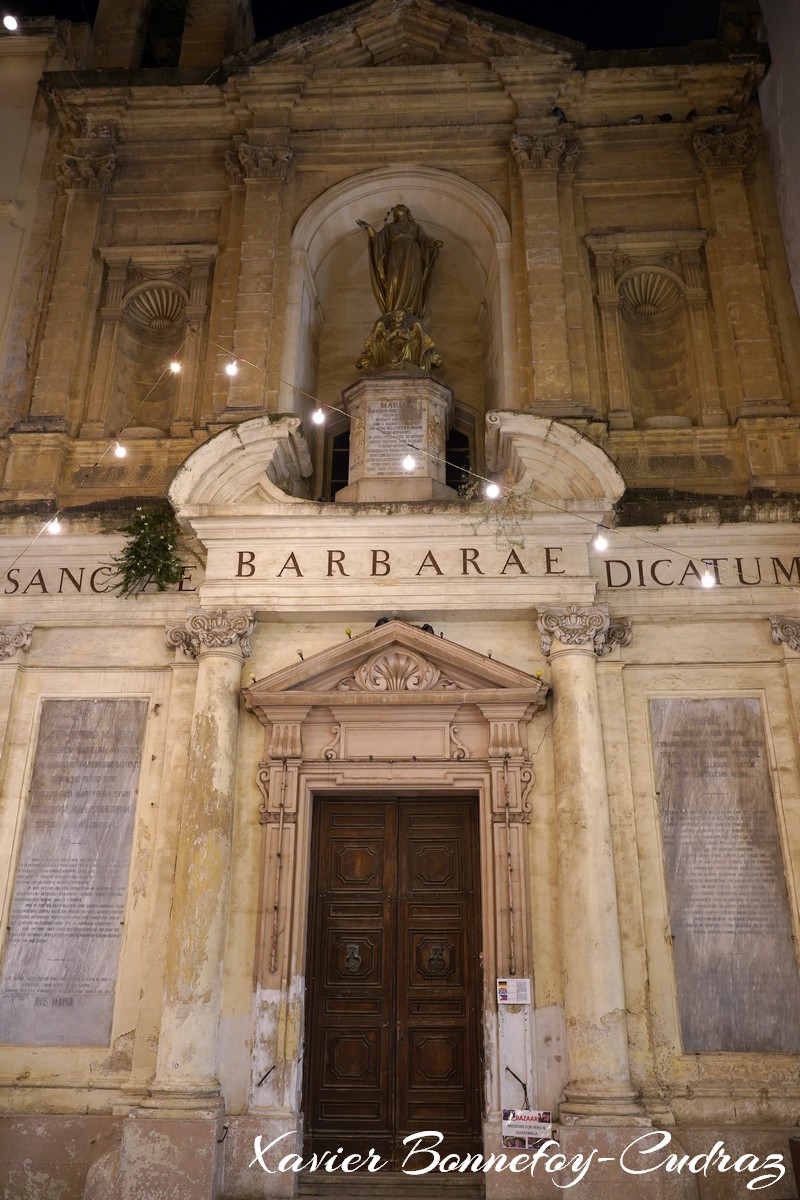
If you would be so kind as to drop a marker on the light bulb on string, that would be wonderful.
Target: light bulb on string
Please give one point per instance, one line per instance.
(119, 450)
(54, 526)
(600, 539)
(175, 367)
(409, 462)
(232, 368)
(707, 580)
(492, 491)
(318, 416)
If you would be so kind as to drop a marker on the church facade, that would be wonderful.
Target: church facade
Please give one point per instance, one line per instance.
(453, 782)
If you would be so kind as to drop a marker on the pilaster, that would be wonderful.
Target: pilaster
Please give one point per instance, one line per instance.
(724, 153)
(14, 641)
(261, 172)
(185, 1082)
(599, 1089)
(543, 159)
(83, 177)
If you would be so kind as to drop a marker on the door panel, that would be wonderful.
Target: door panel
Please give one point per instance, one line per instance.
(393, 1012)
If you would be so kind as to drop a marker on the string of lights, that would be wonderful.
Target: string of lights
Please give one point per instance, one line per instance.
(492, 489)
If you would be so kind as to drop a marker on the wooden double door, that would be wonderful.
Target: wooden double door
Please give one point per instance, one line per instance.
(393, 1026)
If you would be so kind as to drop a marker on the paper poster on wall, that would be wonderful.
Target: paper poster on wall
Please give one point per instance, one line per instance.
(513, 991)
(525, 1128)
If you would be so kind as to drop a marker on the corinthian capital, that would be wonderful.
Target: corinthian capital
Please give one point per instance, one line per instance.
(787, 630)
(720, 148)
(619, 633)
(13, 638)
(550, 151)
(178, 637)
(574, 626)
(248, 161)
(91, 171)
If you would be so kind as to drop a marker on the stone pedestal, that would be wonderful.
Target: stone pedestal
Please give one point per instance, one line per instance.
(392, 416)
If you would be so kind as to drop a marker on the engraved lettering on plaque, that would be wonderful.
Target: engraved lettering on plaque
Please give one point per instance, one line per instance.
(395, 428)
(60, 967)
(737, 973)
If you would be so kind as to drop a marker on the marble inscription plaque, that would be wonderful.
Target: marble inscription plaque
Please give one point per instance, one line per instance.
(395, 428)
(737, 974)
(60, 967)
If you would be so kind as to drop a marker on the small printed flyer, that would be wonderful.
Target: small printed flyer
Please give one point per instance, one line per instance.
(525, 1128)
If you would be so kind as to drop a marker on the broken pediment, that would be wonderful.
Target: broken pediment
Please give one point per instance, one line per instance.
(396, 663)
(377, 33)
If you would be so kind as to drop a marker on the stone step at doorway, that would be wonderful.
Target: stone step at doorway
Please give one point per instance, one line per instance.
(391, 1186)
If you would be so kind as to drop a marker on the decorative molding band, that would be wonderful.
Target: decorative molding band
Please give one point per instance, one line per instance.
(101, 128)
(13, 638)
(396, 671)
(89, 171)
(550, 151)
(573, 626)
(724, 149)
(786, 630)
(257, 162)
(511, 817)
(277, 818)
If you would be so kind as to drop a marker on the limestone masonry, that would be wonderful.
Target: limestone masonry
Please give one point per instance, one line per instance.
(396, 311)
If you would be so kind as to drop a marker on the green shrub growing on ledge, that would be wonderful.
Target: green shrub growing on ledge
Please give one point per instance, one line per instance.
(150, 555)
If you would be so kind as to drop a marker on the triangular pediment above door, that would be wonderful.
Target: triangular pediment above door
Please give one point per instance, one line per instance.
(396, 663)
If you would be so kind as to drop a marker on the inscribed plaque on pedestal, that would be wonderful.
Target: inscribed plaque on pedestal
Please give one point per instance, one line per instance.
(737, 974)
(60, 966)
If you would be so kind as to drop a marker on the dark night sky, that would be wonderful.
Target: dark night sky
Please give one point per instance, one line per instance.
(620, 24)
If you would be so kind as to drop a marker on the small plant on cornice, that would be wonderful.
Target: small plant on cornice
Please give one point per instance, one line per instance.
(503, 516)
(150, 555)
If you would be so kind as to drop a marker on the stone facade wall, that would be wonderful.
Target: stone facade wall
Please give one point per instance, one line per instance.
(613, 312)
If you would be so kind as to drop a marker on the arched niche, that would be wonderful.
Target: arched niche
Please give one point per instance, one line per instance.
(331, 309)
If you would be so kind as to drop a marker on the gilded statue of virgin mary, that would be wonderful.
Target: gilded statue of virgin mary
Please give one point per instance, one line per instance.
(401, 258)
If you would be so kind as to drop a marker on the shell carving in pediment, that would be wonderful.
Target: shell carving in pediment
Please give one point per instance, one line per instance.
(396, 670)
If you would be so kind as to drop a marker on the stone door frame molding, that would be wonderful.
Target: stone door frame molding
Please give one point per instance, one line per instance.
(395, 710)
